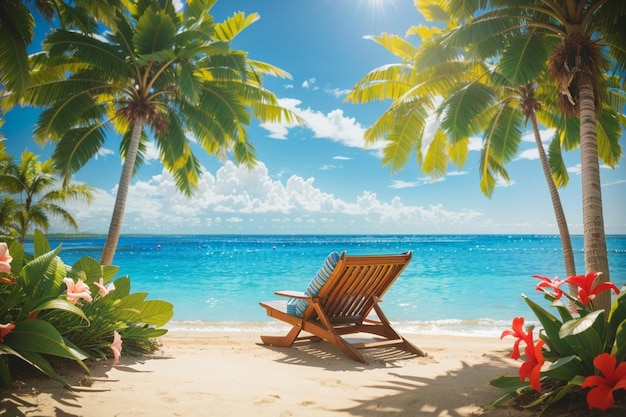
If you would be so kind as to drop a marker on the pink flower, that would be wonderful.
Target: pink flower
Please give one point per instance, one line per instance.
(5, 329)
(587, 291)
(104, 289)
(5, 258)
(518, 332)
(549, 283)
(116, 347)
(600, 395)
(77, 291)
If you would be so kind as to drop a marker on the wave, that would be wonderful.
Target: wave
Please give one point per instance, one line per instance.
(483, 327)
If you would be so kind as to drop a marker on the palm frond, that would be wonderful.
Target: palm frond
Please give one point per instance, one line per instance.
(609, 132)
(523, 59)
(235, 24)
(76, 148)
(463, 109)
(503, 135)
(396, 45)
(436, 157)
(16, 32)
(557, 164)
(154, 32)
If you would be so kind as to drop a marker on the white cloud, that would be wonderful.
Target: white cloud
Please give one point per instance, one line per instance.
(238, 197)
(333, 125)
(308, 83)
(336, 92)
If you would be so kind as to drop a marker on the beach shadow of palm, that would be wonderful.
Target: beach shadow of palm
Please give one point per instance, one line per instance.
(467, 392)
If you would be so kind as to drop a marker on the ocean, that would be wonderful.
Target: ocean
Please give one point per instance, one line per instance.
(454, 285)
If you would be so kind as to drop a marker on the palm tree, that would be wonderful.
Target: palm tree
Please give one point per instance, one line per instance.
(584, 38)
(17, 31)
(155, 74)
(477, 97)
(34, 185)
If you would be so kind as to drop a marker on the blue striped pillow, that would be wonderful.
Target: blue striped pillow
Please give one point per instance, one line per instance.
(296, 306)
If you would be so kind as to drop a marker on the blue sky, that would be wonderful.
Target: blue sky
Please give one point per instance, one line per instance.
(319, 178)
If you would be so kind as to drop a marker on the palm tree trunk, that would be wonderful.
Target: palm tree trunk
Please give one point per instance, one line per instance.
(115, 227)
(566, 241)
(596, 256)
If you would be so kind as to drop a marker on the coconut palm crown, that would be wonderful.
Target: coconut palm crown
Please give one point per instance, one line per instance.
(153, 74)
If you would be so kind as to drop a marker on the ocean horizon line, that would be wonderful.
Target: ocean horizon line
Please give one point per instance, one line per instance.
(133, 235)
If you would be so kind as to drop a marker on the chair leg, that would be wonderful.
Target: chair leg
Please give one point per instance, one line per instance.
(282, 341)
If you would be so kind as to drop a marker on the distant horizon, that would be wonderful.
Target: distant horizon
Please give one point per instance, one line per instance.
(78, 235)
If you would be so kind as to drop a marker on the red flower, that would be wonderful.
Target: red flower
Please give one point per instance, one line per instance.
(531, 369)
(601, 394)
(518, 332)
(586, 290)
(547, 282)
(5, 329)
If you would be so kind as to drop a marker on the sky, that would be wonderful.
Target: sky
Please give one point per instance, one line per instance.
(320, 178)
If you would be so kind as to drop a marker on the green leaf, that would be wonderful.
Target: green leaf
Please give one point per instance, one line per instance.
(64, 305)
(90, 267)
(41, 244)
(33, 359)
(551, 326)
(157, 312)
(619, 345)
(564, 369)
(509, 383)
(38, 336)
(579, 325)
(34, 271)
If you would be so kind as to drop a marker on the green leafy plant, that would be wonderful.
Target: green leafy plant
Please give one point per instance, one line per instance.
(578, 350)
(78, 312)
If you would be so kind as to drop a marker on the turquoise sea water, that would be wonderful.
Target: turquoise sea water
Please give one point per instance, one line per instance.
(467, 284)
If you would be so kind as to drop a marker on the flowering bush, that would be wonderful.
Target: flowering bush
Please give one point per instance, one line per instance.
(77, 312)
(581, 349)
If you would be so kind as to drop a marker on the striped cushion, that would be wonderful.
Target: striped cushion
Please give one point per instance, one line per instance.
(296, 306)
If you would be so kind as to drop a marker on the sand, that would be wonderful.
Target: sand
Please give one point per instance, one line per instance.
(219, 374)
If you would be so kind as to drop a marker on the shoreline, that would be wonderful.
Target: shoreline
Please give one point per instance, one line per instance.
(482, 328)
(228, 374)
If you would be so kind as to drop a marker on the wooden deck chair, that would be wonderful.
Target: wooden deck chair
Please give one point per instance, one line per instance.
(339, 301)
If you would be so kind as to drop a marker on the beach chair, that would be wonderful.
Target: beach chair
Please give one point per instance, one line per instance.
(339, 302)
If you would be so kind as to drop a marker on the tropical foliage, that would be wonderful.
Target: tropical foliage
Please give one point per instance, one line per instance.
(585, 46)
(583, 349)
(154, 74)
(17, 25)
(48, 309)
(30, 192)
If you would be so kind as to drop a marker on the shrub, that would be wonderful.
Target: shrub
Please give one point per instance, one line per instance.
(584, 348)
(49, 308)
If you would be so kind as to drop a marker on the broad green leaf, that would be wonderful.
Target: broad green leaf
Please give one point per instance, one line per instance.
(156, 312)
(579, 325)
(59, 304)
(564, 369)
(32, 358)
(34, 270)
(551, 326)
(619, 345)
(19, 257)
(38, 336)
(91, 269)
(40, 244)
(509, 383)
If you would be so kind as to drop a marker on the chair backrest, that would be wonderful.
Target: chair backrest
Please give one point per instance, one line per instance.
(349, 294)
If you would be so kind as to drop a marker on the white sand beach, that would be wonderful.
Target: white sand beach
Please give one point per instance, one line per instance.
(232, 374)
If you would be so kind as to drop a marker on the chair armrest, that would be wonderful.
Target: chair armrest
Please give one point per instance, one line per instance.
(292, 294)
